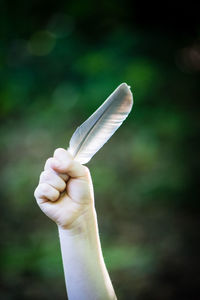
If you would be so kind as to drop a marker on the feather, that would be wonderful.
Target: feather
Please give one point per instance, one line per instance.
(101, 125)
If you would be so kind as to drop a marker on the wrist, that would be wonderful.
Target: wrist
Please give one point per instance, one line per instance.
(85, 222)
(84, 266)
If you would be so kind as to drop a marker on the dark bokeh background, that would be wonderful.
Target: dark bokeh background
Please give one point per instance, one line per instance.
(58, 61)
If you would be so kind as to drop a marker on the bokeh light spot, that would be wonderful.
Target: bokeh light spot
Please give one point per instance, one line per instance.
(41, 43)
(188, 59)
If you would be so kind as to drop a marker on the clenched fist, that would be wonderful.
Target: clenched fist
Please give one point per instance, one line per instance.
(65, 190)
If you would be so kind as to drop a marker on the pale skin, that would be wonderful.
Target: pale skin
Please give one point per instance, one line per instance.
(65, 195)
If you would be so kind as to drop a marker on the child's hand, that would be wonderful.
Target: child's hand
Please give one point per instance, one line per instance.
(65, 190)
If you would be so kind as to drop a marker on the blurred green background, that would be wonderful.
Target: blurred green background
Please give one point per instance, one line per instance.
(59, 60)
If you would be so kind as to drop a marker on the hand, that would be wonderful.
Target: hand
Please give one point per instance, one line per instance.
(65, 190)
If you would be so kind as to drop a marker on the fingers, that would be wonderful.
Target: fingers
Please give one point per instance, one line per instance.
(49, 187)
(56, 172)
(53, 179)
(63, 163)
(48, 166)
(46, 191)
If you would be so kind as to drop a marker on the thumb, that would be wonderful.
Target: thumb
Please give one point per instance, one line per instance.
(63, 162)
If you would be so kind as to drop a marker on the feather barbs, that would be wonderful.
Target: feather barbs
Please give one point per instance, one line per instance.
(101, 125)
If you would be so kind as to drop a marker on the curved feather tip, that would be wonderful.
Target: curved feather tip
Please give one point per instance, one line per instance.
(101, 125)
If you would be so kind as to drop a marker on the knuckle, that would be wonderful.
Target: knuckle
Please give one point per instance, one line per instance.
(58, 151)
(48, 162)
(45, 175)
(42, 176)
(36, 192)
(44, 188)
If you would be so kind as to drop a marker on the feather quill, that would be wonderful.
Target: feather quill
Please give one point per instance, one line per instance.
(101, 125)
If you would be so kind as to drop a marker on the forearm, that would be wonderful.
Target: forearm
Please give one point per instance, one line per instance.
(85, 271)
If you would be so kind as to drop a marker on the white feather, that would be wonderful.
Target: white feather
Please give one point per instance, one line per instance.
(101, 125)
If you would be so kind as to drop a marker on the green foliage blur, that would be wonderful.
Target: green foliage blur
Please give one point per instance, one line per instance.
(58, 62)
